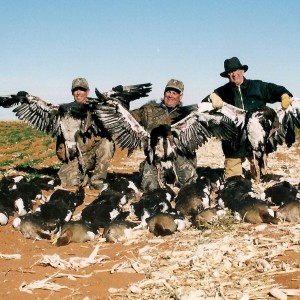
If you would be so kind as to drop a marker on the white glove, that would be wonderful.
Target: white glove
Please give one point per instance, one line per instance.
(216, 101)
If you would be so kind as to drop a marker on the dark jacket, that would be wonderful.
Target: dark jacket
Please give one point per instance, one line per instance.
(255, 94)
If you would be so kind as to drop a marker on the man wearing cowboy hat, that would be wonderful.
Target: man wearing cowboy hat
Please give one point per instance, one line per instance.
(249, 95)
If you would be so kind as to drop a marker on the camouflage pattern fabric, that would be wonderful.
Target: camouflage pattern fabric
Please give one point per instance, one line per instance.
(91, 166)
(150, 116)
(185, 167)
(69, 174)
(153, 114)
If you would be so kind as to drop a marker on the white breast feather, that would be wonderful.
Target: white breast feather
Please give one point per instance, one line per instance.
(256, 134)
(3, 219)
(113, 214)
(19, 203)
(133, 186)
(166, 164)
(159, 148)
(69, 126)
(170, 149)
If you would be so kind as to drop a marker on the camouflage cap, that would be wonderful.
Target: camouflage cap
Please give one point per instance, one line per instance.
(80, 82)
(175, 84)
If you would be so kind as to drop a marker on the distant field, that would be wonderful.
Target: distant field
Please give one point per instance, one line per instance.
(31, 152)
(25, 149)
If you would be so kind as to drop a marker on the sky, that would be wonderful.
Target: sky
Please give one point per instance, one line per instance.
(46, 44)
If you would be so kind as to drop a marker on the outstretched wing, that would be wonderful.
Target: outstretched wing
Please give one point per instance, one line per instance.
(289, 119)
(237, 115)
(294, 110)
(130, 92)
(195, 129)
(126, 94)
(13, 100)
(118, 121)
(34, 111)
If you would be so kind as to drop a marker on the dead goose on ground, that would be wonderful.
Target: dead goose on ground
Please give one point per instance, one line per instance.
(76, 232)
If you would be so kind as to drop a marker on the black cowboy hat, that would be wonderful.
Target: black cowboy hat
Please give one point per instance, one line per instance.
(232, 64)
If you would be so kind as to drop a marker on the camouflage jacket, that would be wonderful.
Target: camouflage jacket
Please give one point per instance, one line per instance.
(153, 114)
(90, 134)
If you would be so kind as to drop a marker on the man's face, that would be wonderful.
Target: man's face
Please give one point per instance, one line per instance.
(237, 76)
(172, 97)
(80, 94)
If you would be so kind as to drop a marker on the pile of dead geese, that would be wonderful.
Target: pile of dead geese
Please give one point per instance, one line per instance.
(122, 207)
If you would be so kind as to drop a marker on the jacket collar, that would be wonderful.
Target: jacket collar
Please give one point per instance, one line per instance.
(243, 85)
(169, 108)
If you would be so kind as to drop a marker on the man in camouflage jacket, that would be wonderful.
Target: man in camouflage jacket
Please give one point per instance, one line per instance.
(97, 149)
(168, 111)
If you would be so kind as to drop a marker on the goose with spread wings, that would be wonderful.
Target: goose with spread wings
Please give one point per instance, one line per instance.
(289, 120)
(71, 120)
(162, 144)
(264, 129)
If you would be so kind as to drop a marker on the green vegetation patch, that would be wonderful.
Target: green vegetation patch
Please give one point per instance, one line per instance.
(6, 162)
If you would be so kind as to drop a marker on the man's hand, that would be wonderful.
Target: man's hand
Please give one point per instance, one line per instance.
(285, 101)
(216, 101)
(11, 100)
(22, 94)
(19, 97)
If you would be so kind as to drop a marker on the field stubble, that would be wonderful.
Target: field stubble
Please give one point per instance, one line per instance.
(231, 263)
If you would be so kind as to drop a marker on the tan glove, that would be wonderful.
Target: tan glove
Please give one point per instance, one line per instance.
(285, 101)
(216, 101)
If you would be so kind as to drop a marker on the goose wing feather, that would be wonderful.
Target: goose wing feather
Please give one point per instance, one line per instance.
(39, 114)
(289, 119)
(118, 121)
(195, 129)
(237, 115)
(12, 100)
(125, 94)
(294, 111)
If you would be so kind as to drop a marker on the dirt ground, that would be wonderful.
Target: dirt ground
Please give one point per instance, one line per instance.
(21, 259)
